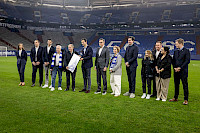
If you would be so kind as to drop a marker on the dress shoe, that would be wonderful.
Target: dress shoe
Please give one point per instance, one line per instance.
(173, 100)
(32, 85)
(23, 83)
(66, 89)
(82, 90)
(88, 91)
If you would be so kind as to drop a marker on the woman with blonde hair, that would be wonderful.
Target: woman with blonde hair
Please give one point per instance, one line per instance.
(147, 73)
(21, 62)
(116, 72)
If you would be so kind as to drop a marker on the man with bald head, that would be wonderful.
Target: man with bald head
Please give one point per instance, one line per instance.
(57, 66)
(36, 56)
(68, 55)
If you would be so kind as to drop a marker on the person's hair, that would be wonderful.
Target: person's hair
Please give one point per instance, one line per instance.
(180, 41)
(132, 37)
(49, 39)
(159, 42)
(71, 44)
(37, 40)
(102, 39)
(59, 46)
(118, 48)
(84, 39)
(22, 46)
(167, 50)
(150, 55)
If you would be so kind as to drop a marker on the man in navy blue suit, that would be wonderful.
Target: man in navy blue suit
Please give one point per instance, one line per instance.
(48, 52)
(180, 62)
(87, 63)
(36, 56)
(131, 65)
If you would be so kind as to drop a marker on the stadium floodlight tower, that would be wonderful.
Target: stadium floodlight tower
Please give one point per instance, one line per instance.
(3, 51)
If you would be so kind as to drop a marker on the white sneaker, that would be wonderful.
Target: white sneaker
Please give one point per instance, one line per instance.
(104, 93)
(59, 88)
(148, 96)
(97, 92)
(50, 86)
(112, 93)
(126, 94)
(132, 95)
(45, 86)
(164, 100)
(116, 95)
(52, 89)
(143, 96)
(157, 99)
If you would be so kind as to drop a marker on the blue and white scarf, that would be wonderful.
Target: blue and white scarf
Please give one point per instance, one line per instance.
(54, 58)
(113, 61)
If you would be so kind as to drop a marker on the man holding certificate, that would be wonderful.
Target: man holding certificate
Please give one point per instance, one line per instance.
(68, 56)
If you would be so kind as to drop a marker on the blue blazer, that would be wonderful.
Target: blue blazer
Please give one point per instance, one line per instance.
(87, 57)
(23, 57)
(131, 55)
(181, 59)
(40, 56)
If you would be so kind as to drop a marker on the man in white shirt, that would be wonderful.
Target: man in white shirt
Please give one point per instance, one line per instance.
(156, 54)
(48, 52)
(37, 59)
(57, 66)
(101, 65)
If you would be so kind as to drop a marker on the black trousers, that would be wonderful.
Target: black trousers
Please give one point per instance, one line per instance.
(40, 73)
(73, 75)
(148, 81)
(87, 77)
(101, 73)
(21, 70)
(154, 86)
(131, 73)
(177, 77)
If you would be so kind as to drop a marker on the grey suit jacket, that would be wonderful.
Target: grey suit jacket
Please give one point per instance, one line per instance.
(102, 60)
(117, 70)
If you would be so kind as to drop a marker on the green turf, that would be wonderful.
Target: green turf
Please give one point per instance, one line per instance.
(27, 109)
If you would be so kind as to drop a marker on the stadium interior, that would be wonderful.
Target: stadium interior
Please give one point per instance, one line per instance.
(67, 21)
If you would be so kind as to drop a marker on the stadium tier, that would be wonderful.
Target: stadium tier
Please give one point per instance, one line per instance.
(125, 15)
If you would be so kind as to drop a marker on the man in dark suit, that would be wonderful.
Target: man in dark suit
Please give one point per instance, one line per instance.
(67, 57)
(48, 52)
(36, 56)
(156, 55)
(101, 65)
(87, 63)
(180, 62)
(131, 65)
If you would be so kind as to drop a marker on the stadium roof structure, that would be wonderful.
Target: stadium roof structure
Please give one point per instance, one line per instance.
(99, 4)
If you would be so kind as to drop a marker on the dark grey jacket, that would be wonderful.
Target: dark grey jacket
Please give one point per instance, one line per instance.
(102, 60)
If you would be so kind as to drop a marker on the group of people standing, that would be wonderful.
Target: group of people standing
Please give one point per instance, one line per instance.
(156, 67)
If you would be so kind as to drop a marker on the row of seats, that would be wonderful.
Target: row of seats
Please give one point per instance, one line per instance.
(178, 13)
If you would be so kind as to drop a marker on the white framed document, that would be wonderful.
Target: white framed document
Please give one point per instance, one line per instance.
(73, 62)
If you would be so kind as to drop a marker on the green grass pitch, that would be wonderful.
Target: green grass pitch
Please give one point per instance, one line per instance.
(27, 109)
